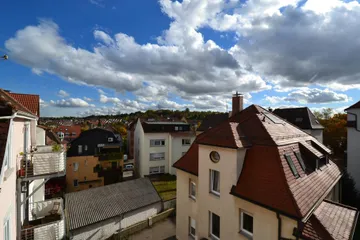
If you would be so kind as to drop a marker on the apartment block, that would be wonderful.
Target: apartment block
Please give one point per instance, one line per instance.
(25, 166)
(158, 145)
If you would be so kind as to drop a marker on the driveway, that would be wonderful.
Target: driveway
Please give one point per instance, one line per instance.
(159, 231)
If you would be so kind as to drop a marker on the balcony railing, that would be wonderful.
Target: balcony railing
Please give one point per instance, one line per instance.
(46, 221)
(43, 162)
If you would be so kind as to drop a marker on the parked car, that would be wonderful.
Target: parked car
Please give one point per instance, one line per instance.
(129, 167)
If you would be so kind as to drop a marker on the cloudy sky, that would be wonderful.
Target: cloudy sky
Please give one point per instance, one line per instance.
(107, 56)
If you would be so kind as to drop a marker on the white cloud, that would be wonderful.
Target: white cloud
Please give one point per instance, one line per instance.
(99, 3)
(63, 93)
(71, 103)
(316, 95)
(88, 99)
(273, 99)
(43, 103)
(105, 99)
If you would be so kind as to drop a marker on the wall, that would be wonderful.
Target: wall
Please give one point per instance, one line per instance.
(8, 183)
(138, 146)
(177, 148)
(40, 136)
(316, 133)
(226, 205)
(86, 169)
(353, 149)
(107, 228)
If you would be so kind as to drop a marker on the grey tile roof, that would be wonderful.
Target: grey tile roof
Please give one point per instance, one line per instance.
(101, 203)
(301, 117)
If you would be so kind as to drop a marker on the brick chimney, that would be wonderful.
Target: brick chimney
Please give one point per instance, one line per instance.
(237, 103)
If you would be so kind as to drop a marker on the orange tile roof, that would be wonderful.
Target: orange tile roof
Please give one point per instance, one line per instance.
(30, 101)
(14, 104)
(190, 161)
(331, 221)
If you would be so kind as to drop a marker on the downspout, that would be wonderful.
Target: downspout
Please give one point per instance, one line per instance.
(279, 225)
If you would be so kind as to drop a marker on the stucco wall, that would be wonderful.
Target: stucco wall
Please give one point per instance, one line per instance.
(8, 188)
(353, 147)
(105, 229)
(86, 169)
(177, 148)
(226, 205)
(138, 145)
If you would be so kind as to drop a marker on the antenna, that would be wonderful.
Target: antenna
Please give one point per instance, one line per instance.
(5, 57)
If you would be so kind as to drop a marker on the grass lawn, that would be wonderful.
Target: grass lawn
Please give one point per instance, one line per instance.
(165, 185)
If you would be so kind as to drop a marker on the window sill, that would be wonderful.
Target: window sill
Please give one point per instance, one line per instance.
(192, 198)
(213, 237)
(217, 194)
(245, 234)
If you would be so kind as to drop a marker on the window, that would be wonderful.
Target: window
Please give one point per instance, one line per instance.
(76, 183)
(291, 165)
(214, 226)
(67, 134)
(157, 156)
(176, 128)
(215, 156)
(180, 128)
(215, 182)
(299, 119)
(157, 142)
(7, 229)
(84, 178)
(192, 227)
(79, 149)
(157, 169)
(192, 190)
(246, 223)
(86, 162)
(85, 148)
(186, 142)
(73, 133)
(75, 166)
(162, 169)
(301, 160)
(110, 139)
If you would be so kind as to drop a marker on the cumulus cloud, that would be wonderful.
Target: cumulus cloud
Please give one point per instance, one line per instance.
(43, 103)
(88, 99)
(63, 93)
(71, 103)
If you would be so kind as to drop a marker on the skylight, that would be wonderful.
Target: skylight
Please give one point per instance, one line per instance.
(292, 166)
(273, 118)
(301, 160)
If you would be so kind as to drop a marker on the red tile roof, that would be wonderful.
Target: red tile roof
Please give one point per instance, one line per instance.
(356, 105)
(7, 100)
(267, 138)
(190, 161)
(30, 101)
(331, 221)
(4, 129)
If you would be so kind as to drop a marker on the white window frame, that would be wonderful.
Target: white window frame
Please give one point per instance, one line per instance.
(211, 227)
(242, 212)
(192, 186)
(186, 141)
(154, 157)
(191, 221)
(85, 148)
(75, 166)
(110, 139)
(153, 142)
(80, 149)
(212, 182)
(176, 128)
(6, 228)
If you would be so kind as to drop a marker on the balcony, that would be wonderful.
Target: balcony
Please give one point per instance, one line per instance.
(46, 221)
(110, 156)
(43, 163)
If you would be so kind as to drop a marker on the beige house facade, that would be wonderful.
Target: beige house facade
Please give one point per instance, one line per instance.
(256, 176)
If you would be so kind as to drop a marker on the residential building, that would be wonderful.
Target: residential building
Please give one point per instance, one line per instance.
(304, 119)
(256, 176)
(353, 138)
(25, 166)
(158, 145)
(95, 159)
(101, 212)
(68, 133)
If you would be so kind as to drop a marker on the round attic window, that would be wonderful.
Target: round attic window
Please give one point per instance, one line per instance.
(215, 156)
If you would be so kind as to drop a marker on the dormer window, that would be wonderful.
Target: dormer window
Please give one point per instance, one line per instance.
(110, 139)
(300, 160)
(291, 165)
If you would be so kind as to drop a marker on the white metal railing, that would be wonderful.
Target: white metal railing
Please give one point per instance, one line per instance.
(44, 161)
(52, 223)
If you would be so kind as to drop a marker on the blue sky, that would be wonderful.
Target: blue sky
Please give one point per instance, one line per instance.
(106, 56)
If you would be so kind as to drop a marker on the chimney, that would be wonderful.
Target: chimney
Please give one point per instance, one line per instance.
(237, 103)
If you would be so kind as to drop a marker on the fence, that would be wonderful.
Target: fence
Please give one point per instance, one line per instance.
(125, 233)
(169, 204)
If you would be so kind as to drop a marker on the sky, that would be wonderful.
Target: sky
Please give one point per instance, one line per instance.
(89, 57)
